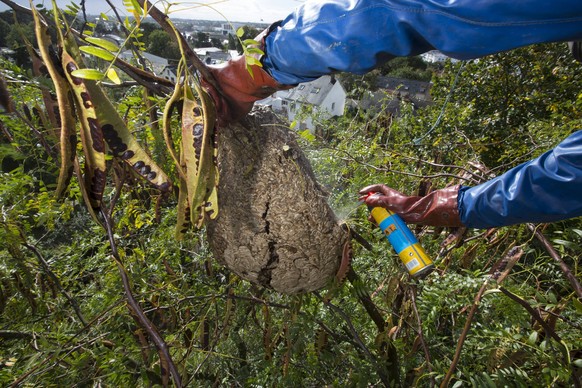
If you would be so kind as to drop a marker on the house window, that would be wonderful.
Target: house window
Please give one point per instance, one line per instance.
(284, 103)
(301, 87)
(315, 90)
(333, 106)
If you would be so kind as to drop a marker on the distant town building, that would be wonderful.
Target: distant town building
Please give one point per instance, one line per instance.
(212, 55)
(435, 56)
(170, 73)
(325, 95)
(417, 90)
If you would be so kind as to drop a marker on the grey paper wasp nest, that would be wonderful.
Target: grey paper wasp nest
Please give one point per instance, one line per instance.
(275, 227)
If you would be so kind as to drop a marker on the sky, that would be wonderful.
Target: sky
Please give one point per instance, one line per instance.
(266, 11)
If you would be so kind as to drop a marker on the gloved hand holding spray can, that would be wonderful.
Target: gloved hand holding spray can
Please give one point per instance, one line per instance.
(403, 241)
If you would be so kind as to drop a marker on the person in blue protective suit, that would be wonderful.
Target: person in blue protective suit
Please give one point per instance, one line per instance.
(323, 37)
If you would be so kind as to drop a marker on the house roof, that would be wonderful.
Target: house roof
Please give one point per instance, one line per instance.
(313, 92)
(404, 85)
(153, 59)
(206, 50)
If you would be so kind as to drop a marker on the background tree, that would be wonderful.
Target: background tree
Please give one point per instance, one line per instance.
(161, 44)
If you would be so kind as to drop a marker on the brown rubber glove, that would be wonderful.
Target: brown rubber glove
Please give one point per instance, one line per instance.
(237, 89)
(438, 208)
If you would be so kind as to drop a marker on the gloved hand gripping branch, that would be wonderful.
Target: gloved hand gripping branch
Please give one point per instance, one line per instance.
(240, 88)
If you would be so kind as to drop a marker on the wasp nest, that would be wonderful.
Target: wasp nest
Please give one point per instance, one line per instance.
(275, 227)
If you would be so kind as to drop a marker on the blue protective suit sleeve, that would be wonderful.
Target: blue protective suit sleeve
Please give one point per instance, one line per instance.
(322, 37)
(545, 189)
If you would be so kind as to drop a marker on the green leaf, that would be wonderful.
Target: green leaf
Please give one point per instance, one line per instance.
(533, 337)
(253, 61)
(103, 16)
(254, 50)
(567, 244)
(240, 32)
(577, 305)
(98, 52)
(90, 74)
(578, 362)
(307, 135)
(250, 70)
(103, 43)
(112, 75)
(136, 6)
(250, 42)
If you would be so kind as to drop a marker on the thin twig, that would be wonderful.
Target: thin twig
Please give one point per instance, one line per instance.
(497, 274)
(355, 336)
(412, 292)
(53, 355)
(46, 267)
(547, 329)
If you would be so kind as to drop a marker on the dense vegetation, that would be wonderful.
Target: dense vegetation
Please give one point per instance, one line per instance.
(63, 313)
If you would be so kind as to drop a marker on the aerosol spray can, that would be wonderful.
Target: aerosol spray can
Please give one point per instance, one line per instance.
(403, 241)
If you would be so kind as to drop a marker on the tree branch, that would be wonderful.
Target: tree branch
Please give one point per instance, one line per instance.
(164, 21)
(495, 274)
(554, 255)
(134, 306)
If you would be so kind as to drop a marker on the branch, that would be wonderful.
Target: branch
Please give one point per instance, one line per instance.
(554, 255)
(164, 21)
(16, 7)
(497, 273)
(14, 335)
(350, 158)
(18, 382)
(547, 329)
(367, 302)
(535, 315)
(463, 337)
(134, 306)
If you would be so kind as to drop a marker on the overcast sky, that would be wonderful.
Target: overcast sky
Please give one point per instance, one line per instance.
(266, 11)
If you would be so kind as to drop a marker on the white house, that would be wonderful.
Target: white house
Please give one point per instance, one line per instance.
(326, 95)
(435, 56)
(212, 55)
(169, 73)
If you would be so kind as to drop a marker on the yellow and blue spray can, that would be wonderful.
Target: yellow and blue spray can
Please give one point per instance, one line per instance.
(411, 253)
